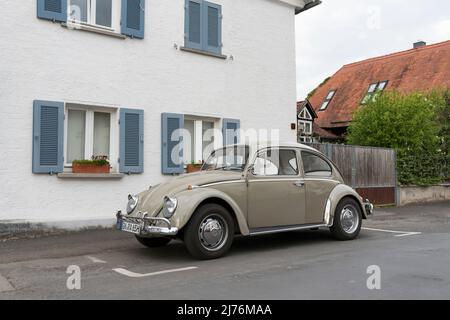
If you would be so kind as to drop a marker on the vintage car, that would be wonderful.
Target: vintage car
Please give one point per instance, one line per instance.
(246, 190)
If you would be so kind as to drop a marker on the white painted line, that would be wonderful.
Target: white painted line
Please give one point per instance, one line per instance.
(407, 234)
(95, 260)
(131, 274)
(5, 285)
(400, 233)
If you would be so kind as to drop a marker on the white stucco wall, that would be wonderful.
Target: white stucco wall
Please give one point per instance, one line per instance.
(42, 60)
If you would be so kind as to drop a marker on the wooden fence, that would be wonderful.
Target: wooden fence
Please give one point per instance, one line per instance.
(371, 171)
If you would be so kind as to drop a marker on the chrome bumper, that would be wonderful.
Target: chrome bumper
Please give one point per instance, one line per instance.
(368, 207)
(148, 227)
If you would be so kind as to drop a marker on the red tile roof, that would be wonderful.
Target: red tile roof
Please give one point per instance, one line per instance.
(324, 134)
(422, 69)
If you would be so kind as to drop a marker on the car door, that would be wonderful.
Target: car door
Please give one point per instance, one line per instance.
(275, 191)
(319, 182)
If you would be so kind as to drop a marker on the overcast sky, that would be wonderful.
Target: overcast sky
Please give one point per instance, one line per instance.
(338, 32)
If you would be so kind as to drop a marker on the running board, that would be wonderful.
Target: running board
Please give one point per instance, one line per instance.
(267, 230)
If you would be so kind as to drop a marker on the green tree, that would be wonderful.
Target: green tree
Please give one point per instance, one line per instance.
(409, 124)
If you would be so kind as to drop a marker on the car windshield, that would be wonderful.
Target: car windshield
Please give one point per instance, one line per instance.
(228, 158)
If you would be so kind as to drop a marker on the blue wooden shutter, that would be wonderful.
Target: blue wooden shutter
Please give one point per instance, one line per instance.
(212, 17)
(133, 18)
(55, 10)
(193, 24)
(48, 137)
(172, 143)
(131, 141)
(231, 131)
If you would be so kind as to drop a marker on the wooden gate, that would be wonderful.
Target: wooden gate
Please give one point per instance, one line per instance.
(371, 171)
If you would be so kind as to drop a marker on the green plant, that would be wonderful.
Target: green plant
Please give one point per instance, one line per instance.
(99, 163)
(415, 125)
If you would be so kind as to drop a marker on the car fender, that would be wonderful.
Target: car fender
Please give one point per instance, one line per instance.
(337, 194)
(189, 200)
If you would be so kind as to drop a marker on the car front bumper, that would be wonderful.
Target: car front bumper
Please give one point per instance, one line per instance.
(148, 226)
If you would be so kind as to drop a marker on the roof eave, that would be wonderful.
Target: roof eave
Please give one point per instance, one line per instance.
(308, 6)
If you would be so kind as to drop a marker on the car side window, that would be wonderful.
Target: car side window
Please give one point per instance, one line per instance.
(314, 165)
(276, 162)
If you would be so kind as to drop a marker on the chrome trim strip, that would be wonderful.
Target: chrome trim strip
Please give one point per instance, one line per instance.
(321, 179)
(276, 179)
(221, 182)
(285, 229)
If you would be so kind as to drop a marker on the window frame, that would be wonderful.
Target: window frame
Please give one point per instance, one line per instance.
(203, 46)
(377, 91)
(197, 148)
(91, 17)
(264, 150)
(89, 132)
(304, 114)
(327, 101)
(305, 123)
(309, 175)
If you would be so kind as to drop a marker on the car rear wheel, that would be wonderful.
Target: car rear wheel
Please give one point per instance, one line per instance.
(347, 220)
(209, 234)
(153, 242)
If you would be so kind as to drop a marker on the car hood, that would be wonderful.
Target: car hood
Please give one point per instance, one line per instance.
(151, 201)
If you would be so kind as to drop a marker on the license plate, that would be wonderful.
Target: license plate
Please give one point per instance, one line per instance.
(131, 227)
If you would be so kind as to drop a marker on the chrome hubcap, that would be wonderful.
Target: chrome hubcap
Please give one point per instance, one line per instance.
(213, 232)
(349, 219)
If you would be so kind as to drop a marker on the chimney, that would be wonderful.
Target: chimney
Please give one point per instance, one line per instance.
(419, 44)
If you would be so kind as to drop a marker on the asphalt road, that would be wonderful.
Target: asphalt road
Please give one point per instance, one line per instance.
(410, 245)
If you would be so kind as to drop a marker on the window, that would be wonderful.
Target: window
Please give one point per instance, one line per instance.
(203, 26)
(90, 133)
(227, 158)
(304, 139)
(304, 114)
(276, 162)
(328, 99)
(110, 17)
(374, 90)
(199, 139)
(313, 165)
(97, 13)
(305, 127)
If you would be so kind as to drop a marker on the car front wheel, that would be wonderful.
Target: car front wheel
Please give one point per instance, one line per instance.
(347, 220)
(209, 234)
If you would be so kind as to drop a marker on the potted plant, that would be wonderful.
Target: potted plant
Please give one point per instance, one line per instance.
(96, 165)
(194, 167)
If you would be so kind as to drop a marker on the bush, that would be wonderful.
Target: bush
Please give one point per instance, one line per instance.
(415, 125)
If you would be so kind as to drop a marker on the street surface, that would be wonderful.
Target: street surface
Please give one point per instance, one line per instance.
(410, 245)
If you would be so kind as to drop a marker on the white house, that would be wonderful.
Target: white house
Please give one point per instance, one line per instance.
(115, 78)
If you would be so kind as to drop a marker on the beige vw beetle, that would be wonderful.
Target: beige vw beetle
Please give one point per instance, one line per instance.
(246, 190)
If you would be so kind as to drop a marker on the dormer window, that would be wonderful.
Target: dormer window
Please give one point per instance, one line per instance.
(327, 100)
(374, 90)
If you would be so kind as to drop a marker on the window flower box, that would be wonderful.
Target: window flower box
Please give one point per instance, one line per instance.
(91, 166)
(194, 167)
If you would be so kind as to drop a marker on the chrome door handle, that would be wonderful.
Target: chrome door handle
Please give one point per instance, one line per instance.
(299, 183)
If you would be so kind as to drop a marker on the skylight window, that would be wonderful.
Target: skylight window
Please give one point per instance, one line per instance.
(327, 100)
(375, 89)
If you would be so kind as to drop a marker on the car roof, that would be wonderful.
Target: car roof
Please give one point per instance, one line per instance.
(255, 146)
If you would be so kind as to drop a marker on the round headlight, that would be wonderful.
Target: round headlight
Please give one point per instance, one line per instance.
(170, 205)
(132, 203)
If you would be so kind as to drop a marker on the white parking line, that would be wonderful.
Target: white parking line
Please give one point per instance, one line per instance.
(131, 274)
(95, 260)
(400, 233)
(5, 285)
